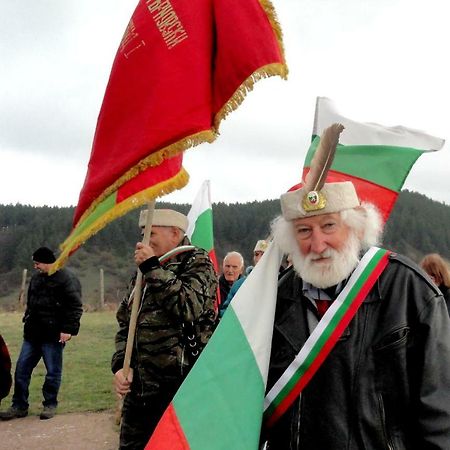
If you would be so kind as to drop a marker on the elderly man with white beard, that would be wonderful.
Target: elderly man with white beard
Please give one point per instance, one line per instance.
(385, 382)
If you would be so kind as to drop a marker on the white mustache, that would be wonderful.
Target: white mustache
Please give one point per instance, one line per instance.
(325, 254)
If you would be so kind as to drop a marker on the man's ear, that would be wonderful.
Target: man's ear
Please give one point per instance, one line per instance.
(176, 234)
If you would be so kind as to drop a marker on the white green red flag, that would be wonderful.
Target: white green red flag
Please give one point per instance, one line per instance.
(220, 404)
(201, 229)
(377, 159)
(179, 70)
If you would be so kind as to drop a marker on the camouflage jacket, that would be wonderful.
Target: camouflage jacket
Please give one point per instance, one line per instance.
(178, 291)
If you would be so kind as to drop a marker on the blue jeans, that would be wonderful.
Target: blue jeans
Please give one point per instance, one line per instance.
(30, 354)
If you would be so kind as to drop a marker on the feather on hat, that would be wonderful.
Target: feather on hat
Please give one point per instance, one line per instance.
(315, 196)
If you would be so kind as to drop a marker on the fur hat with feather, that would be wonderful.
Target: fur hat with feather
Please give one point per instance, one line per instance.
(316, 196)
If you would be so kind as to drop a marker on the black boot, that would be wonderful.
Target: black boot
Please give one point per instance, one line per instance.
(13, 413)
(48, 412)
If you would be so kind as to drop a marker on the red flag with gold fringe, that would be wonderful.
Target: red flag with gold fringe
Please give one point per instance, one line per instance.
(181, 67)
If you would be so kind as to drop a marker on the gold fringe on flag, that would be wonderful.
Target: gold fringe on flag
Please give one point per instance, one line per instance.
(276, 69)
(273, 19)
(165, 187)
(239, 95)
(154, 159)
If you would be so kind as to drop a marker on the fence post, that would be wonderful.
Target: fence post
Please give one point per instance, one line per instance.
(22, 289)
(102, 289)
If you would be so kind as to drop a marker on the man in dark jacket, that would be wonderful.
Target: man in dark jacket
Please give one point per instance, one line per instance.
(232, 269)
(52, 317)
(386, 382)
(260, 247)
(179, 293)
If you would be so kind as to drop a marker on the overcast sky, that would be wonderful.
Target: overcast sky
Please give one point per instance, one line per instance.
(382, 61)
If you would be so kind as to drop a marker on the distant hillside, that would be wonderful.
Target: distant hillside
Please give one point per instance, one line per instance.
(417, 226)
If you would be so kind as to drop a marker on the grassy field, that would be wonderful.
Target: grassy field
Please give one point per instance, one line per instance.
(87, 377)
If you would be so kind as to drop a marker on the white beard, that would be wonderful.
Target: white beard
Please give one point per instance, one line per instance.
(338, 267)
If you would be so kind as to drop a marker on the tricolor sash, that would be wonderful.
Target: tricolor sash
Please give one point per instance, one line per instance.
(325, 335)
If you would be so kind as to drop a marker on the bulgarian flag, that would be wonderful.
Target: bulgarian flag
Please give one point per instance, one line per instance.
(376, 159)
(220, 404)
(181, 67)
(200, 229)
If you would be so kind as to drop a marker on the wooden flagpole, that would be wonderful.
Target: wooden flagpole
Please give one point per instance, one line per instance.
(137, 294)
(135, 308)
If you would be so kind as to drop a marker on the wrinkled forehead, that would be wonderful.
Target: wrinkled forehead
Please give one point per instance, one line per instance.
(313, 220)
(232, 260)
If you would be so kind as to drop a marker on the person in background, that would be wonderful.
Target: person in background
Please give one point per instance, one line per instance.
(232, 270)
(5, 370)
(435, 266)
(51, 318)
(258, 251)
(178, 294)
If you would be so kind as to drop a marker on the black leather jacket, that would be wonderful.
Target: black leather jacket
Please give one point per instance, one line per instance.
(386, 383)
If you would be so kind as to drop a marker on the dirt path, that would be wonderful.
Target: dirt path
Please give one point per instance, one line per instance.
(77, 431)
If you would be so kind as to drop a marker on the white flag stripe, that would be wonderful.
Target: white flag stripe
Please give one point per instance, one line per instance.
(254, 305)
(201, 203)
(358, 133)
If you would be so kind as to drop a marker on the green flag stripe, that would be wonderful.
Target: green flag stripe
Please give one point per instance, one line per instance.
(98, 212)
(317, 347)
(385, 165)
(231, 381)
(202, 235)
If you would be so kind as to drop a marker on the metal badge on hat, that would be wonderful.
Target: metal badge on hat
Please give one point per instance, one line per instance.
(314, 199)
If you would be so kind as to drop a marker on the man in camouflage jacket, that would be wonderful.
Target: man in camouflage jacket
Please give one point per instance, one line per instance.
(179, 291)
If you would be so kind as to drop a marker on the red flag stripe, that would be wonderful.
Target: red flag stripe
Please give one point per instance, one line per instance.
(169, 430)
(382, 197)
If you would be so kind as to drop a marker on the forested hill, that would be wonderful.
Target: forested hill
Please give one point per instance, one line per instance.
(417, 226)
